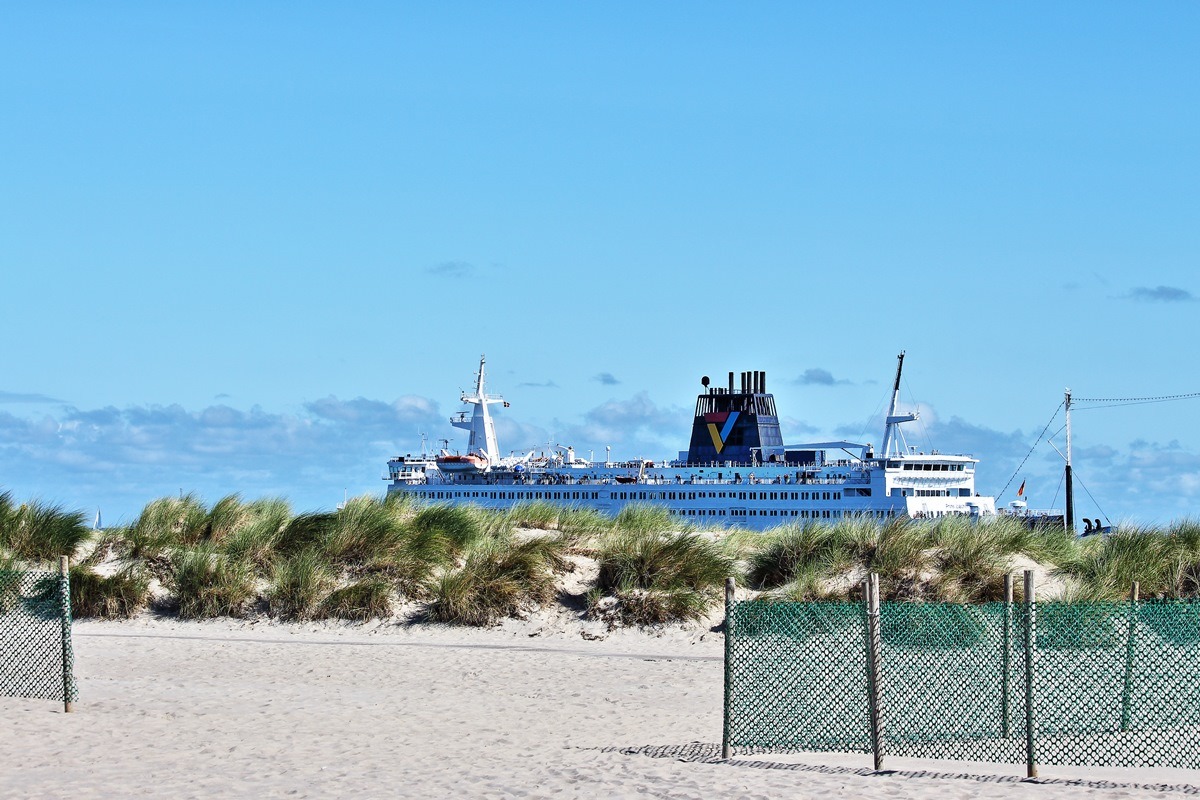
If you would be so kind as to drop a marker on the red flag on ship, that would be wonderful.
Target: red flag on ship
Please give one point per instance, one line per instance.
(1021, 491)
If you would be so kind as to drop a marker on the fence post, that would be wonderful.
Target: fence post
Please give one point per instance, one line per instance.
(1031, 770)
(871, 586)
(64, 583)
(726, 749)
(1130, 645)
(1005, 661)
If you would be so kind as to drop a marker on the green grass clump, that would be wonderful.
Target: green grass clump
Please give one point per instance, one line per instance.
(207, 583)
(430, 542)
(536, 514)
(580, 526)
(369, 598)
(364, 529)
(308, 531)
(1107, 566)
(117, 596)
(39, 532)
(498, 578)
(898, 551)
(229, 514)
(172, 521)
(970, 560)
(255, 539)
(645, 519)
(808, 584)
(1184, 565)
(298, 584)
(658, 577)
(787, 552)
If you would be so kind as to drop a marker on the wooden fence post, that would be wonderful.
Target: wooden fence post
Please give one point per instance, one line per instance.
(1030, 642)
(64, 571)
(726, 749)
(873, 669)
(1130, 646)
(1005, 661)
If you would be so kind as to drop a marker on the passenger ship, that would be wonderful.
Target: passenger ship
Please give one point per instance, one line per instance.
(737, 470)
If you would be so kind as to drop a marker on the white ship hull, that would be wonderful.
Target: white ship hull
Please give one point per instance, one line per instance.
(782, 484)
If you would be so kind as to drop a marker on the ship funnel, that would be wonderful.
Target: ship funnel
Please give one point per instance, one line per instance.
(731, 383)
(763, 388)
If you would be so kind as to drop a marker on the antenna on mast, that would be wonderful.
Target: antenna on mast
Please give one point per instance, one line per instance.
(893, 439)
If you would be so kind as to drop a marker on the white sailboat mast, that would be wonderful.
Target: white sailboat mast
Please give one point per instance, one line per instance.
(893, 438)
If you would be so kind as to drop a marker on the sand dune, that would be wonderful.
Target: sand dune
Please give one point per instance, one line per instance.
(236, 709)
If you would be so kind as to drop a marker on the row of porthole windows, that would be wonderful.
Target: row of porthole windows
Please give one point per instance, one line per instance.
(444, 495)
(803, 513)
(752, 496)
(583, 495)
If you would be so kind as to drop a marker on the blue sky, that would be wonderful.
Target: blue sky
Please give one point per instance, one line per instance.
(258, 247)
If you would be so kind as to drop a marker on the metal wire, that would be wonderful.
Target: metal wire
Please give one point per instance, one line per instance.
(1031, 449)
(1113, 684)
(36, 656)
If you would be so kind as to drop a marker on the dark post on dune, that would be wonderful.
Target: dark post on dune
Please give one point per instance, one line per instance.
(726, 750)
(64, 571)
(1031, 770)
(871, 587)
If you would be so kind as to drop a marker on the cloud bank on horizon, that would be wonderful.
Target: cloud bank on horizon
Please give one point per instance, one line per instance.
(118, 459)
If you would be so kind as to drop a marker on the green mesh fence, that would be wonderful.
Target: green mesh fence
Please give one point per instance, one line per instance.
(36, 657)
(1112, 684)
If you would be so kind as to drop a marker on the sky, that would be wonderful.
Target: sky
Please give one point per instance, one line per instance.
(259, 248)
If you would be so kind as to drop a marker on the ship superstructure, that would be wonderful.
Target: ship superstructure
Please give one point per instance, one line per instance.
(736, 471)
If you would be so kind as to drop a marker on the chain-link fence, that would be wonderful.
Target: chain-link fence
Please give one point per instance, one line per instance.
(1100, 684)
(36, 657)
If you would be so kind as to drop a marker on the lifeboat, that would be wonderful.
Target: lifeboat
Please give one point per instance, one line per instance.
(467, 463)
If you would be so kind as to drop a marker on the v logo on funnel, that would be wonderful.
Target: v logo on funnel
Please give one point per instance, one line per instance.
(720, 435)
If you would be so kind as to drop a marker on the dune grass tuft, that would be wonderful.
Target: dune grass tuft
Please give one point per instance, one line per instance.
(117, 596)
(970, 560)
(645, 519)
(207, 583)
(791, 550)
(38, 532)
(1108, 566)
(298, 584)
(498, 578)
(363, 530)
(370, 598)
(255, 539)
(658, 577)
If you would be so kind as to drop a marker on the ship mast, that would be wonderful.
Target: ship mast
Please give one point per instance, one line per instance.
(483, 432)
(893, 439)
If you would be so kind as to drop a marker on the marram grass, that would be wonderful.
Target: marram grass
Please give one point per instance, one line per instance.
(206, 583)
(498, 578)
(117, 596)
(464, 565)
(39, 532)
(298, 583)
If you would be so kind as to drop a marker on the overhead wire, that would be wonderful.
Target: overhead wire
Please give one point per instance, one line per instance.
(1031, 449)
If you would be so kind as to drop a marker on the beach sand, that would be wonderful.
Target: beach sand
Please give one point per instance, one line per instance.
(258, 709)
